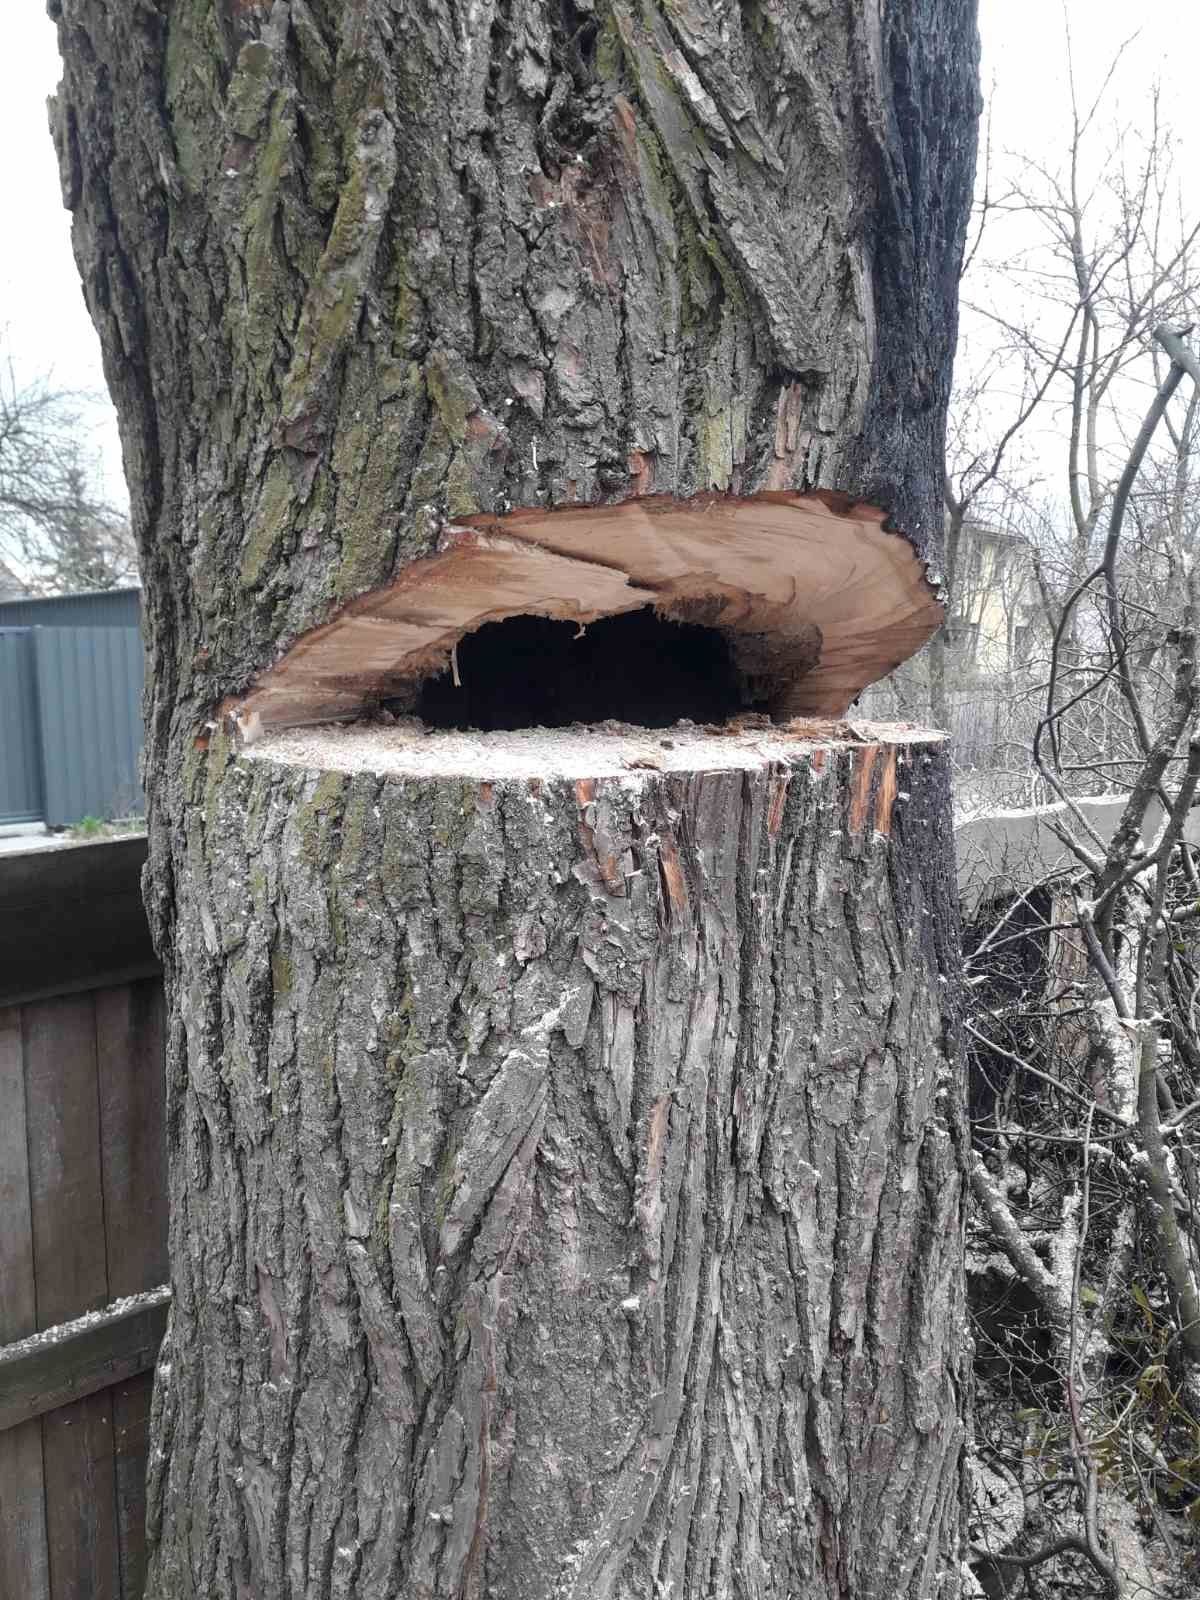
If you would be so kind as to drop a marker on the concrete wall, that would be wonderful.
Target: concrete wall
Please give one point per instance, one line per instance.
(1005, 851)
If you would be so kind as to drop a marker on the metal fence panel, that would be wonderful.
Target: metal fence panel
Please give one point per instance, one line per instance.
(114, 608)
(20, 756)
(89, 691)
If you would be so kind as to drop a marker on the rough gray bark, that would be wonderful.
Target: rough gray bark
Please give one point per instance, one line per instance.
(359, 269)
(566, 1196)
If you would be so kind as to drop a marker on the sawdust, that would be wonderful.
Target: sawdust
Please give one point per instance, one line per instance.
(609, 749)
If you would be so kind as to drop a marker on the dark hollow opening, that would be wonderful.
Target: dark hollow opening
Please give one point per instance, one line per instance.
(530, 672)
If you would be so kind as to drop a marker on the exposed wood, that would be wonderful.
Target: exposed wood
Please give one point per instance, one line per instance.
(81, 1357)
(816, 598)
(81, 1505)
(24, 1556)
(873, 791)
(72, 919)
(614, 257)
(131, 1064)
(582, 756)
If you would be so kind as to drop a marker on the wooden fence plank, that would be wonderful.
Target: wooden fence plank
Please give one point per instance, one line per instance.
(70, 1264)
(131, 1438)
(24, 1569)
(24, 1553)
(79, 1358)
(82, 1220)
(129, 1046)
(66, 1193)
(73, 919)
(81, 1497)
(18, 1304)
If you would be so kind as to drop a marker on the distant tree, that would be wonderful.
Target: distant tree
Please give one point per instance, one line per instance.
(1074, 427)
(84, 544)
(1075, 431)
(11, 587)
(1078, 250)
(58, 534)
(1086, 1075)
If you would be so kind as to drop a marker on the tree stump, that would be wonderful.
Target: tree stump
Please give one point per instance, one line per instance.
(566, 1200)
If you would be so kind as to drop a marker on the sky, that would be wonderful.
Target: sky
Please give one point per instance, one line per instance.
(45, 327)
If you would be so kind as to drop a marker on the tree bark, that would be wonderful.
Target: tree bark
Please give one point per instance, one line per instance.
(366, 273)
(360, 269)
(566, 1199)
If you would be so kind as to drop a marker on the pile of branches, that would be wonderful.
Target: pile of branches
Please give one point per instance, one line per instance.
(1084, 1026)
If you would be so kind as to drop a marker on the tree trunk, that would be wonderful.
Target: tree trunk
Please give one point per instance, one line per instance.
(422, 319)
(565, 1198)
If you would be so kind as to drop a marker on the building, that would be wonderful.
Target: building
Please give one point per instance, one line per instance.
(993, 627)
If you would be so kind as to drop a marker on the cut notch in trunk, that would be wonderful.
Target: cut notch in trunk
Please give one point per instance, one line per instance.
(807, 599)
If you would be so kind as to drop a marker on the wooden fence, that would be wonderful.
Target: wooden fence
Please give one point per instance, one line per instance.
(83, 1255)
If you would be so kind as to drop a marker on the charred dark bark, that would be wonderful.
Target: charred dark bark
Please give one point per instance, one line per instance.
(367, 274)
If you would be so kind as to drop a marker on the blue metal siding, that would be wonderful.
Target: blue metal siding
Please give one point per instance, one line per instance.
(114, 608)
(20, 756)
(89, 716)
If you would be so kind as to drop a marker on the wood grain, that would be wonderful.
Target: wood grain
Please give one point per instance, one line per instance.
(129, 1047)
(131, 1431)
(81, 1519)
(816, 599)
(82, 1220)
(66, 1194)
(24, 1555)
(70, 1261)
(24, 1551)
(18, 1303)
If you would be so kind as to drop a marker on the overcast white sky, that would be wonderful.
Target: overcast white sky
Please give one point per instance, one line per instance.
(41, 307)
